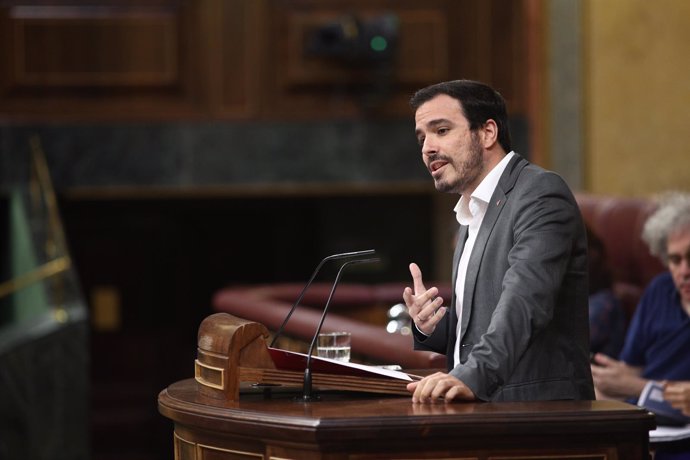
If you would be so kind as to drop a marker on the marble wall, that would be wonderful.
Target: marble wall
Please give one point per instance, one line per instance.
(181, 155)
(636, 96)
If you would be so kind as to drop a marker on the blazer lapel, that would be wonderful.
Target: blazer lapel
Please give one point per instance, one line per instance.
(498, 200)
(452, 324)
(462, 238)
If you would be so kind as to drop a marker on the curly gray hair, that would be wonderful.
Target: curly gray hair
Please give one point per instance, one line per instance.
(673, 214)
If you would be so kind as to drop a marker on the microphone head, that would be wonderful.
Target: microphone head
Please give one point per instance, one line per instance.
(345, 255)
(363, 261)
(351, 255)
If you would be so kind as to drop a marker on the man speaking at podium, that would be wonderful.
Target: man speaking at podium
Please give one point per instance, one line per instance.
(520, 266)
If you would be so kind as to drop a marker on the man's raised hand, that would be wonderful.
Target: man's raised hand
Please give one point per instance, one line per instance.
(424, 306)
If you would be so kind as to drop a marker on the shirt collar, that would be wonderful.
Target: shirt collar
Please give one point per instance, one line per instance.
(482, 194)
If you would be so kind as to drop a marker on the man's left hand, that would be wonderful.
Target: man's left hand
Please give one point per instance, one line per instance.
(440, 386)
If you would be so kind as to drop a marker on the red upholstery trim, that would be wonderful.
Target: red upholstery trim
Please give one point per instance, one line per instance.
(618, 222)
(269, 304)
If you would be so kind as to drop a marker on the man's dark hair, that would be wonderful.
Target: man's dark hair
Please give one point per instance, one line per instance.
(479, 103)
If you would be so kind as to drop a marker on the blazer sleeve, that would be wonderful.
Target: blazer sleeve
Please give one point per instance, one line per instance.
(437, 341)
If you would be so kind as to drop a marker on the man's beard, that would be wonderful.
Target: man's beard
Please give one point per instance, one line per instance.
(468, 172)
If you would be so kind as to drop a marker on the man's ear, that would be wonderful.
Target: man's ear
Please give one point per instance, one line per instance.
(489, 134)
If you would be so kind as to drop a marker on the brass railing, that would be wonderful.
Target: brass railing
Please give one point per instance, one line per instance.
(55, 258)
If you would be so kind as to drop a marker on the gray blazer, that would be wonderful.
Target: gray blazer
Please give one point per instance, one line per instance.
(525, 327)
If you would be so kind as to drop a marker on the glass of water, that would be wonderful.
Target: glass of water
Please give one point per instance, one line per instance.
(334, 345)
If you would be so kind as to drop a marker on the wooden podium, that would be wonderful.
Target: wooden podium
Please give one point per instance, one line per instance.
(273, 422)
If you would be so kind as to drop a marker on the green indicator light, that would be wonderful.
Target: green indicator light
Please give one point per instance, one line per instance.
(378, 43)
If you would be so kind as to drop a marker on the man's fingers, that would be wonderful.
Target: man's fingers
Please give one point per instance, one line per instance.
(423, 388)
(417, 279)
(448, 389)
(432, 305)
(413, 306)
(453, 393)
(439, 386)
(603, 360)
(432, 313)
(412, 386)
(423, 305)
(673, 392)
(416, 389)
(407, 296)
(427, 317)
(439, 314)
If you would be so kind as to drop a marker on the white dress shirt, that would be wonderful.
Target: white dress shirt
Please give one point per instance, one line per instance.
(471, 212)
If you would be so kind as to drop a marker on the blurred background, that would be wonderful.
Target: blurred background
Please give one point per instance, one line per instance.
(154, 151)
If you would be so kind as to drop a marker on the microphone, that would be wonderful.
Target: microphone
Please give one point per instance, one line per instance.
(307, 386)
(344, 255)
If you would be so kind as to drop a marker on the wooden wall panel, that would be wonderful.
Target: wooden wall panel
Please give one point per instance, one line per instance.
(488, 43)
(121, 60)
(242, 59)
(242, 43)
(70, 47)
(438, 40)
(424, 47)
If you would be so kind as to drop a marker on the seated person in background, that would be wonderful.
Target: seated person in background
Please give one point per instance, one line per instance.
(607, 320)
(657, 344)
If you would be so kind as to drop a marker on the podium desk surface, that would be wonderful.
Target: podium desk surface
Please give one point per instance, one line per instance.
(342, 421)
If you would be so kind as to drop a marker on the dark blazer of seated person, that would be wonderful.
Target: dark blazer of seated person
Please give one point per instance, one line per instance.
(607, 320)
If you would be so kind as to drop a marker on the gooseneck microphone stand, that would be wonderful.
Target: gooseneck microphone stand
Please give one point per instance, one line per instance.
(344, 255)
(307, 386)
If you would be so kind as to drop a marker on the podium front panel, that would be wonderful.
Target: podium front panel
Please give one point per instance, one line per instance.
(275, 424)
